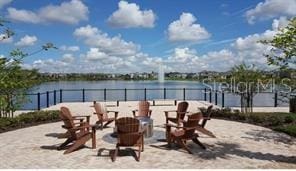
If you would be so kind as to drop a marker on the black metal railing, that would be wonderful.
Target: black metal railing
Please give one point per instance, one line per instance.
(221, 98)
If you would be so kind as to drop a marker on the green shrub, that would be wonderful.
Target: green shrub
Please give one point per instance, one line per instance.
(28, 119)
(288, 129)
(283, 122)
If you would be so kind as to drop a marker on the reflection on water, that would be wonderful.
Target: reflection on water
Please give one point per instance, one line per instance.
(174, 90)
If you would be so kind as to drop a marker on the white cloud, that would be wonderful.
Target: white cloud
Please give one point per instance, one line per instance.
(280, 23)
(68, 58)
(26, 41)
(70, 48)
(101, 58)
(113, 46)
(71, 12)
(129, 15)
(271, 9)
(23, 16)
(4, 2)
(185, 29)
(94, 54)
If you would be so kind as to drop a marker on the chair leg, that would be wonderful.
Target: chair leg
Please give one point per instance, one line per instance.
(78, 143)
(62, 146)
(93, 136)
(113, 158)
(142, 143)
(184, 146)
(139, 153)
(196, 141)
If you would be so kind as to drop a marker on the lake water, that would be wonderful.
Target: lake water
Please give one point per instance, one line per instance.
(72, 92)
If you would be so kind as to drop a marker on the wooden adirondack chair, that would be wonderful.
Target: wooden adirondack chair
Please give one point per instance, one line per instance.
(129, 135)
(103, 117)
(187, 132)
(79, 132)
(180, 113)
(143, 110)
(206, 113)
(77, 118)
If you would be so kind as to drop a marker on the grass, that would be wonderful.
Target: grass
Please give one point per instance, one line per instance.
(28, 119)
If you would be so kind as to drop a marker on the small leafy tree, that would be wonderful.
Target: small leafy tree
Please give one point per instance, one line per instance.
(283, 55)
(283, 52)
(15, 81)
(246, 84)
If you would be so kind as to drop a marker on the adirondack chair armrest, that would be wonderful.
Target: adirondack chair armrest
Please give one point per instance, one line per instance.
(81, 123)
(81, 116)
(171, 125)
(81, 127)
(170, 111)
(167, 112)
(87, 117)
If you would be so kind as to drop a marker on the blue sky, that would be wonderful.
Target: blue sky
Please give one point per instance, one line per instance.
(137, 36)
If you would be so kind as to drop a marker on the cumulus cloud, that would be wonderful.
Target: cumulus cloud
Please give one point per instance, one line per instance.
(4, 2)
(271, 9)
(280, 23)
(129, 15)
(68, 58)
(71, 12)
(95, 54)
(101, 58)
(185, 29)
(23, 16)
(70, 48)
(26, 41)
(187, 60)
(114, 46)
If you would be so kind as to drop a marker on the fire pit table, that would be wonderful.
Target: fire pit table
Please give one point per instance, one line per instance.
(146, 123)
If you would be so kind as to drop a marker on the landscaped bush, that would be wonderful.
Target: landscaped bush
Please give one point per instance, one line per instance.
(28, 119)
(288, 129)
(283, 122)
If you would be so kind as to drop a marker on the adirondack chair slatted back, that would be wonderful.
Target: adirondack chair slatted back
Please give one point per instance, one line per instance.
(143, 108)
(67, 118)
(101, 111)
(181, 109)
(191, 122)
(128, 129)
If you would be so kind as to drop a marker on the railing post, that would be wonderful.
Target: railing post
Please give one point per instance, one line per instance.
(210, 96)
(205, 94)
(145, 94)
(216, 97)
(164, 93)
(47, 99)
(184, 94)
(61, 96)
(105, 94)
(222, 98)
(83, 95)
(275, 99)
(38, 101)
(125, 94)
(54, 97)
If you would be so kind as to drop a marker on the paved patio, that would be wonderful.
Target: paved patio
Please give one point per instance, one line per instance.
(237, 145)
